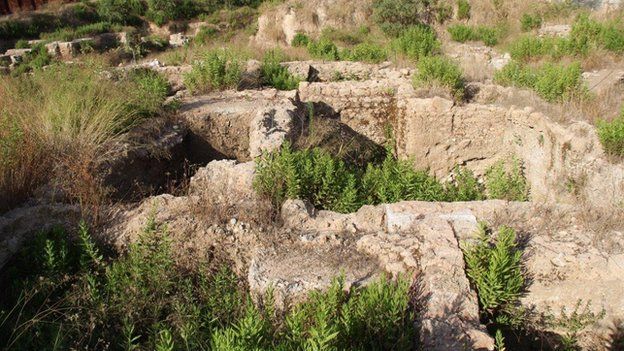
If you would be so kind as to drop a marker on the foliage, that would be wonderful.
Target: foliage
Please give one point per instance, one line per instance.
(530, 21)
(573, 323)
(463, 9)
(36, 59)
(611, 135)
(442, 71)
(507, 182)
(494, 267)
(329, 183)
(462, 33)
(22, 44)
(70, 33)
(120, 11)
(365, 52)
(65, 292)
(586, 35)
(216, 70)
(300, 40)
(553, 82)
(393, 16)
(324, 49)
(416, 42)
(275, 75)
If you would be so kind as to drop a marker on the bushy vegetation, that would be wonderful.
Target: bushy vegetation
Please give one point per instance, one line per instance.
(416, 42)
(324, 49)
(330, 183)
(394, 16)
(530, 21)
(553, 82)
(36, 59)
(586, 35)
(494, 268)
(300, 40)
(506, 181)
(63, 292)
(275, 75)
(69, 33)
(463, 9)
(215, 70)
(120, 11)
(438, 70)
(365, 52)
(463, 33)
(56, 122)
(611, 135)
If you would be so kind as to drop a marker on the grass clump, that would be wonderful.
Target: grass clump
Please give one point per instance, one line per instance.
(463, 33)
(507, 182)
(438, 70)
(36, 59)
(215, 70)
(69, 33)
(64, 291)
(275, 75)
(416, 42)
(553, 82)
(463, 9)
(59, 122)
(611, 134)
(530, 21)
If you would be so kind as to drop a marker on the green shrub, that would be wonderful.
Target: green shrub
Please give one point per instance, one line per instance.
(36, 59)
(275, 75)
(329, 183)
(300, 40)
(22, 44)
(551, 81)
(442, 71)
(216, 70)
(416, 42)
(494, 267)
(69, 33)
(507, 182)
(205, 34)
(463, 9)
(120, 11)
(66, 293)
(152, 89)
(612, 135)
(365, 52)
(530, 21)
(324, 49)
(462, 33)
(394, 16)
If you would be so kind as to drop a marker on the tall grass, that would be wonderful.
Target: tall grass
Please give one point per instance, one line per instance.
(59, 122)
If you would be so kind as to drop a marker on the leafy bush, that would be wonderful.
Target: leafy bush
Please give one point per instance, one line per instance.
(366, 52)
(205, 34)
(216, 70)
(494, 267)
(416, 42)
(22, 44)
(530, 21)
(507, 182)
(66, 293)
(36, 59)
(393, 16)
(551, 81)
(612, 135)
(300, 40)
(275, 75)
(462, 33)
(463, 9)
(324, 49)
(442, 71)
(120, 11)
(328, 183)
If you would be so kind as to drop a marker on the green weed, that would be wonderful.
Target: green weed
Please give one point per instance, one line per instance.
(300, 40)
(463, 33)
(507, 182)
(324, 49)
(530, 21)
(216, 70)
(394, 16)
(611, 134)
(275, 75)
(416, 42)
(463, 9)
(365, 52)
(442, 71)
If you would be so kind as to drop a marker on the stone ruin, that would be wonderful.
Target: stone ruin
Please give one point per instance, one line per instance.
(568, 258)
